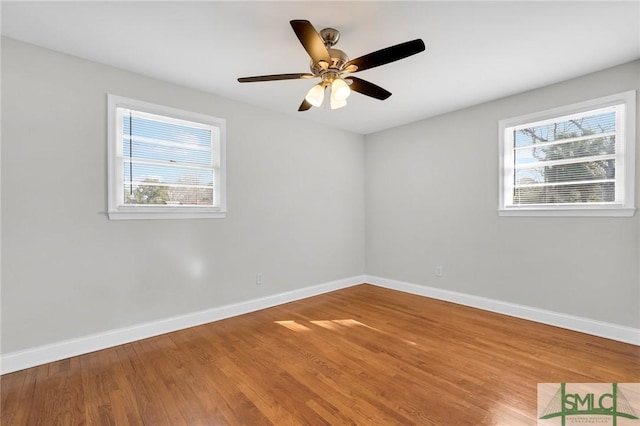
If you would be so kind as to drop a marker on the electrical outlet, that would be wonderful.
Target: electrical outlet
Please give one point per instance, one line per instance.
(259, 278)
(439, 271)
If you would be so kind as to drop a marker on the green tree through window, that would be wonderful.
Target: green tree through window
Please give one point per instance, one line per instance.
(574, 174)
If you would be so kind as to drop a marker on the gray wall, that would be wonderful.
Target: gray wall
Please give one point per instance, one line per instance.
(295, 202)
(432, 197)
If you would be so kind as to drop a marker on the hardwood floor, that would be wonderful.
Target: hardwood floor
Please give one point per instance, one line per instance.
(358, 356)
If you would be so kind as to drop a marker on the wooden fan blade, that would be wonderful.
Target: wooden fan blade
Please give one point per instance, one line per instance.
(311, 40)
(304, 105)
(386, 55)
(275, 77)
(369, 89)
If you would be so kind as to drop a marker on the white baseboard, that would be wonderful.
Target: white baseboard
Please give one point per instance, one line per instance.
(54, 352)
(584, 325)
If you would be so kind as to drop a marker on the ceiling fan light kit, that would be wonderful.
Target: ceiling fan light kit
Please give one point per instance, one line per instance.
(340, 89)
(330, 64)
(316, 95)
(337, 103)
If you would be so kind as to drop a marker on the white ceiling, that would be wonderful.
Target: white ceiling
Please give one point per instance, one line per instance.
(476, 51)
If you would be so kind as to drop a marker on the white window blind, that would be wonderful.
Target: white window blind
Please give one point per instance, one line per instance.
(164, 163)
(578, 160)
(568, 160)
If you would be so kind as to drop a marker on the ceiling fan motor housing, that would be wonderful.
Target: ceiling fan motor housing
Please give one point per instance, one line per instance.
(338, 59)
(330, 37)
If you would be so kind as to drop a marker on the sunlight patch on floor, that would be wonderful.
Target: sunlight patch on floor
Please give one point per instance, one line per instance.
(293, 326)
(328, 324)
(333, 325)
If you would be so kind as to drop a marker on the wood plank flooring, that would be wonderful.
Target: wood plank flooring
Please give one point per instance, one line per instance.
(358, 356)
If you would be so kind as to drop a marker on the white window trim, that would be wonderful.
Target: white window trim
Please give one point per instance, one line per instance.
(626, 167)
(117, 211)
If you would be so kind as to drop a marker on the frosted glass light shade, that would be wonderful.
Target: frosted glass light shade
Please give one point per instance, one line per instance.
(315, 96)
(340, 89)
(338, 103)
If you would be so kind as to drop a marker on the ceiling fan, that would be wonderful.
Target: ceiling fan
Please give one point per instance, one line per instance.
(331, 64)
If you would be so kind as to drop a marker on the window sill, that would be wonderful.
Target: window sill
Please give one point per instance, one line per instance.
(164, 213)
(569, 212)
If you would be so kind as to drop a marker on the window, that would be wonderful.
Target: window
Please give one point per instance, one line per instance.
(576, 160)
(164, 163)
